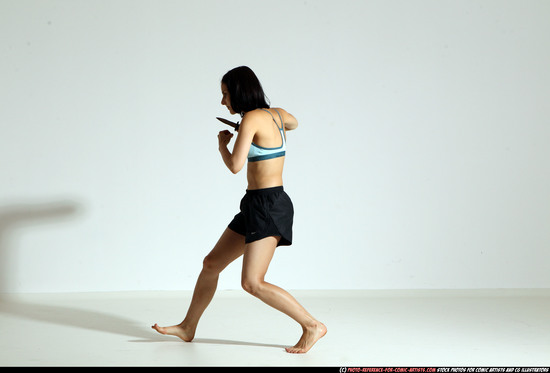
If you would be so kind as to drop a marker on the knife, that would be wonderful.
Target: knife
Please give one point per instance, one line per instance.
(229, 123)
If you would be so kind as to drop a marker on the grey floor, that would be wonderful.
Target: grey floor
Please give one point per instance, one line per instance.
(365, 328)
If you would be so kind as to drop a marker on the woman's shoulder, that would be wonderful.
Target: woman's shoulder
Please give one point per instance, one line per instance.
(263, 110)
(280, 110)
(258, 114)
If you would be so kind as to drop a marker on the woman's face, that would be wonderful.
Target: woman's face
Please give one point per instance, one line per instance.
(226, 99)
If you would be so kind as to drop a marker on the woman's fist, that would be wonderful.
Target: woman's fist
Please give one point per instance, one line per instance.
(224, 137)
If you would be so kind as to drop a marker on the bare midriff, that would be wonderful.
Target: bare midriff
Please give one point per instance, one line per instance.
(265, 174)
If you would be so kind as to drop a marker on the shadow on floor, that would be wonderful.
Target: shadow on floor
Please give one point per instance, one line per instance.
(211, 341)
(102, 322)
(74, 317)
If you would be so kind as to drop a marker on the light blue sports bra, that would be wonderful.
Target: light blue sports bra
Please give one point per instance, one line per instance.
(259, 153)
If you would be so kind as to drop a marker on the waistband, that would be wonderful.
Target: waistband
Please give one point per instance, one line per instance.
(257, 192)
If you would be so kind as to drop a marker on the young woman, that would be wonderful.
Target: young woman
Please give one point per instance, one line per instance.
(265, 219)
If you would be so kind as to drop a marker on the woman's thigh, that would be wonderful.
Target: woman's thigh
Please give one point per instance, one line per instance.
(229, 247)
(256, 259)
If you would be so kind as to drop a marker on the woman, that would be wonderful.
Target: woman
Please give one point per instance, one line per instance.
(265, 219)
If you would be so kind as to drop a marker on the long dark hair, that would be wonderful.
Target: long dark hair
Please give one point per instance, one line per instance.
(245, 90)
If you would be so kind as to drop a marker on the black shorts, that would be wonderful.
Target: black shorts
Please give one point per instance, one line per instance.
(264, 213)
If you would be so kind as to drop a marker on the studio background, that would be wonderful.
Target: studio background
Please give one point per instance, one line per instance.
(421, 160)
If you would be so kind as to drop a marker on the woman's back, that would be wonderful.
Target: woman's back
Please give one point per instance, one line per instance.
(266, 155)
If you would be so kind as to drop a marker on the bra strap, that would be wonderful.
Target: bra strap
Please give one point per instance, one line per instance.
(282, 128)
(272, 117)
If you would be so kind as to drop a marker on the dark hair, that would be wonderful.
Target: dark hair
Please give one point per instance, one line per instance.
(244, 89)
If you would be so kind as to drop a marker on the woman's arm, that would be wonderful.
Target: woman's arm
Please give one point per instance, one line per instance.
(291, 123)
(223, 139)
(235, 161)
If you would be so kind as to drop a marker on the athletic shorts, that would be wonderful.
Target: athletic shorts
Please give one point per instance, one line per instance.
(264, 213)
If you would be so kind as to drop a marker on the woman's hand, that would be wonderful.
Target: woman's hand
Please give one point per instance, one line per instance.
(223, 138)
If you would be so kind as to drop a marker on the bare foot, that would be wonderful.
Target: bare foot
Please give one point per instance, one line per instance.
(310, 336)
(176, 330)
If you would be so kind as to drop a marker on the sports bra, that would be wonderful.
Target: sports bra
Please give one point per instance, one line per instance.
(259, 153)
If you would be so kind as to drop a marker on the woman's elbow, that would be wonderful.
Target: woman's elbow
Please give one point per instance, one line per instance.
(236, 168)
(291, 125)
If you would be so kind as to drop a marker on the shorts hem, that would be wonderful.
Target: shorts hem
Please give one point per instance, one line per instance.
(257, 237)
(236, 230)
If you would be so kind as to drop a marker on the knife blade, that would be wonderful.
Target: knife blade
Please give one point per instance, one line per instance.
(229, 123)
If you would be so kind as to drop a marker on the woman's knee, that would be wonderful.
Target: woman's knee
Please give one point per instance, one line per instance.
(210, 264)
(251, 285)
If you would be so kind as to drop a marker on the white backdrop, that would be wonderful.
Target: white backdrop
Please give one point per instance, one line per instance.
(421, 160)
